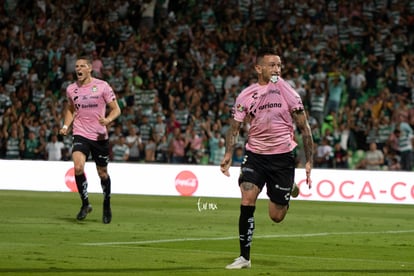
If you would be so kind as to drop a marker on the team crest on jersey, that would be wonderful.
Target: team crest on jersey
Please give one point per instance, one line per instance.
(240, 108)
(94, 88)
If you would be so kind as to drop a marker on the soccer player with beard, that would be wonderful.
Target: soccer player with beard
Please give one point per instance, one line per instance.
(88, 99)
(272, 108)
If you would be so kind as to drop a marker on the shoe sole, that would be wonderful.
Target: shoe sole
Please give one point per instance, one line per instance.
(243, 267)
(238, 265)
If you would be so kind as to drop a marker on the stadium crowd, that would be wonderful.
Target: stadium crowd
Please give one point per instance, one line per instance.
(177, 66)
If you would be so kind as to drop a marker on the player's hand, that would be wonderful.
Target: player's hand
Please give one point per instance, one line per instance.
(225, 164)
(308, 168)
(63, 131)
(104, 121)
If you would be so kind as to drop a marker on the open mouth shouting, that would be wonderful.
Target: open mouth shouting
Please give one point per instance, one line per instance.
(83, 71)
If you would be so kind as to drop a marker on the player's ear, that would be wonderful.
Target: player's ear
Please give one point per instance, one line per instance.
(258, 68)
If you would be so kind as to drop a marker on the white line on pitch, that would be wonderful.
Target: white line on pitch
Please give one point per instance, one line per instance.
(256, 237)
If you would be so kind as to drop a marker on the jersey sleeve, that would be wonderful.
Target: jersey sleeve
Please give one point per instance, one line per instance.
(109, 94)
(292, 98)
(240, 108)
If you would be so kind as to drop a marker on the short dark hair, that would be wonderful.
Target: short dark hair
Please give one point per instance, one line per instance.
(87, 58)
(266, 51)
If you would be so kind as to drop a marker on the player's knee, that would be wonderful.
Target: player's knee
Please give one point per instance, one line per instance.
(277, 214)
(78, 169)
(277, 217)
(103, 174)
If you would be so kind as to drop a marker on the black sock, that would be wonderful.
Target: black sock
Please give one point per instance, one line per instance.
(106, 189)
(246, 228)
(82, 185)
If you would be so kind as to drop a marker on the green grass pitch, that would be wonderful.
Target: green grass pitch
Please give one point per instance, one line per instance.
(155, 235)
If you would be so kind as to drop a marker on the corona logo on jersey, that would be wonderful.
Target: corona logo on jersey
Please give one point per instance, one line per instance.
(186, 183)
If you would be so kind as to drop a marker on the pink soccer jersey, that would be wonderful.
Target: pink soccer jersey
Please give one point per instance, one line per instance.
(90, 104)
(268, 108)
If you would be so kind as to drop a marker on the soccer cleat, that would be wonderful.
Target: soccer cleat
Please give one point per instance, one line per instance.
(107, 215)
(239, 263)
(295, 190)
(84, 211)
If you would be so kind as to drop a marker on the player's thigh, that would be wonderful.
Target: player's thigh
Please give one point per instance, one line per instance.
(280, 174)
(249, 193)
(80, 153)
(251, 180)
(100, 152)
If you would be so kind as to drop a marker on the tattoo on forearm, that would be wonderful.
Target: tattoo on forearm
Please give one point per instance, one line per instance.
(308, 147)
(231, 141)
(302, 123)
(231, 136)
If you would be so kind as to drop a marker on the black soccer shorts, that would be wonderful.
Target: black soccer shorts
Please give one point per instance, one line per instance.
(99, 150)
(276, 171)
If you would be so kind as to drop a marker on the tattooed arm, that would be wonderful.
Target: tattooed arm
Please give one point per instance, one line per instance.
(231, 139)
(301, 121)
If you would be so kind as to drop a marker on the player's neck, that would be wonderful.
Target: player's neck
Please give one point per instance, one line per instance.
(85, 81)
(262, 82)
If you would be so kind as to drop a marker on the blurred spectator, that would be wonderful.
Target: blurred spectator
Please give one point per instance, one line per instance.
(336, 89)
(134, 142)
(238, 156)
(162, 155)
(340, 157)
(5, 102)
(324, 154)
(374, 158)
(147, 14)
(219, 152)
(318, 98)
(54, 149)
(145, 130)
(177, 146)
(14, 145)
(357, 82)
(359, 128)
(404, 145)
(372, 70)
(150, 150)
(195, 146)
(31, 147)
(120, 150)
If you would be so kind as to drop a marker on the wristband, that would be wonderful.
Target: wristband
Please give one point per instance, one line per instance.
(65, 127)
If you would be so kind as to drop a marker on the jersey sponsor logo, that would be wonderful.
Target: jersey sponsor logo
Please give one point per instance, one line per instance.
(270, 105)
(274, 91)
(89, 105)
